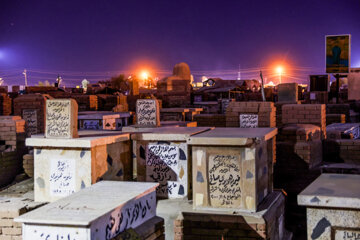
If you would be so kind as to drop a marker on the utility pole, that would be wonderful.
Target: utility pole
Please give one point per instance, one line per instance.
(25, 77)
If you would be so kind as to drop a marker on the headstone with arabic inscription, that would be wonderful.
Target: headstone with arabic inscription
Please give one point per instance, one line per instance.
(61, 118)
(249, 120)
(147, 113)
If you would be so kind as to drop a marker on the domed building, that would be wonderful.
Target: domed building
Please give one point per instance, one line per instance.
(175, 90)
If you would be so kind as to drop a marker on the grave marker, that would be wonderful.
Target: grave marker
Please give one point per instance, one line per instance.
(147, 113)
(249, 121)
(61, 118)
(30, 117)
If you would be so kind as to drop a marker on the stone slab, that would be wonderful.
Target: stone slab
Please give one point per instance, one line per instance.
(332, 191)
(97, 212)
(170, 133)
(87, 139)
(232, 136)
(147, 113)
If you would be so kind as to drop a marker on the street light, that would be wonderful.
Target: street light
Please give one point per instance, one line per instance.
(280, 71)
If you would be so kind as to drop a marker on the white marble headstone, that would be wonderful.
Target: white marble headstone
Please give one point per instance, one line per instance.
(147, 113)
(61, 118)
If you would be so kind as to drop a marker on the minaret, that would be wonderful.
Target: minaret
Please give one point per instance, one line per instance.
(239, 74)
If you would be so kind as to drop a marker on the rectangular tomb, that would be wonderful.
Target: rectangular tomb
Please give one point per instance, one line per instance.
(163, 156)
(101, 211)
(232, 168)
(64, 166)
(333, 207)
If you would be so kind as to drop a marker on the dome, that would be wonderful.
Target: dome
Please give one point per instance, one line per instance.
(182, 70)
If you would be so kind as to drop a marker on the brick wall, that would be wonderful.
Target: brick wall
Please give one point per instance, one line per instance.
(5, 104)
(342, 150)
(264, 110)
(210, 120)
(305, 114)
(11, 208)
(107, 102)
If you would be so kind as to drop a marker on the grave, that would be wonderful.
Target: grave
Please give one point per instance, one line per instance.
(31, 107)
(64, 166)
(147, 113)
(333, 207)
(163, 156)
(250, 114)
(103, 120)
(288, 92)
(86, 102)
(173, 114)
(210, 120)
(97, 212)
(61, 118)
(267, 223)
(334, 118)
(232, 168)
(5, 104)
(178, 124)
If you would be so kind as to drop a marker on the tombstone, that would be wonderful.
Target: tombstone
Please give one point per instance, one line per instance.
(103, 211)
(333, 207)
(65, 166)
(232, 167)
(61, 118)
(32, 108)
(162, 156)
(288, 92)
(147, 113)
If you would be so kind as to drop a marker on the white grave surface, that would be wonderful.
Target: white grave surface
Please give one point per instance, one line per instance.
(101, 211)
(249, 121)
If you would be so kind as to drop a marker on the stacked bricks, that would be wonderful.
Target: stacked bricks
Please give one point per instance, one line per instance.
(86, 102)
(31, 107)
(210, 120)
(305, 114)
(12, 132)
(11, 208)
(301, 142)
(152, 229)
(339, 109)
(335, 118)
(28, 164)
(5, 104)
(264, 110)
(12, 147)
(215, 226)
(278, 106)
(342, 151)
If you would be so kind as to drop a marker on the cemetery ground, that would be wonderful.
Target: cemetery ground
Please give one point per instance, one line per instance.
(248, 170)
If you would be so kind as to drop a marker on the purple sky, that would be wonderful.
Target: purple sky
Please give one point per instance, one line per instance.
(97, 39)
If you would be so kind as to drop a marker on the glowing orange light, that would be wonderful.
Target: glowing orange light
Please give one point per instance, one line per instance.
(144, 75)
(279, 69)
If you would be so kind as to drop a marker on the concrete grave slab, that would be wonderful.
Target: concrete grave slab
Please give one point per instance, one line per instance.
(97, 212)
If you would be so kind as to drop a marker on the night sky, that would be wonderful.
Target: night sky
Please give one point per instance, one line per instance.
(98, 39)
